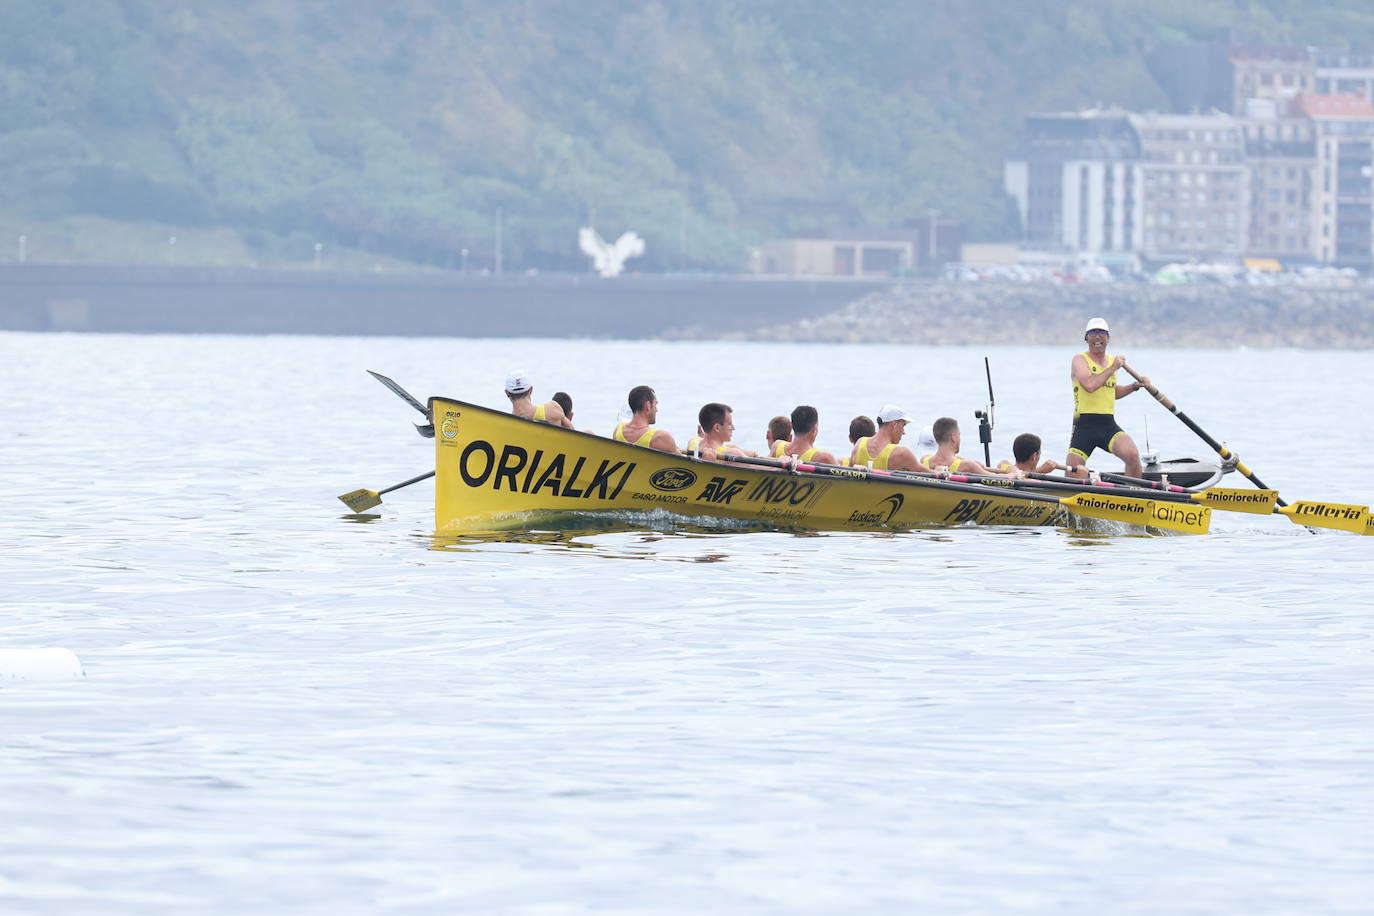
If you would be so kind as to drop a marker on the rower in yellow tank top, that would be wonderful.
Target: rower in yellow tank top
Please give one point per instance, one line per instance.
(643, 440)
(880, 461)
(779, 448)
(539, 413)
(1103, 400)
(953, 465)
(1095, 391)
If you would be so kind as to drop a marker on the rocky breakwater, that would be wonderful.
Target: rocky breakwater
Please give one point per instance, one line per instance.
(949, 313)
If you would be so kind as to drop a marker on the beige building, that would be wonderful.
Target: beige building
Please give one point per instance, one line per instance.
(1196, 186)
(1345, 73)
(836, 257)
(1343, 187)
(864, 252)
(1282, 155)
(1277, 74)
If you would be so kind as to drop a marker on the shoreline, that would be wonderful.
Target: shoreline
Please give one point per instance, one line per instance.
(953, 314)
(783, 310)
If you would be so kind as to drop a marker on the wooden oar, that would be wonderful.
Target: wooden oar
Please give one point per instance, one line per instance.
(1340, 516)
(1141, 510)
(362, 500)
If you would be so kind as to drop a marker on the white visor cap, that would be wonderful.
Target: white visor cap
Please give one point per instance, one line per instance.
(518, 382)
(1097, 324)
(892, 412)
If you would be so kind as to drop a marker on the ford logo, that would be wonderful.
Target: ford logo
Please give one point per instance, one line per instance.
(671, 479)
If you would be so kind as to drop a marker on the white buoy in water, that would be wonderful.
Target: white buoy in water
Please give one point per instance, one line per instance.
(39, 665)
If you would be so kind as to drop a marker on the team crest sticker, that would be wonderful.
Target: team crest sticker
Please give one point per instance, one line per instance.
(670, 480)
(449, 427)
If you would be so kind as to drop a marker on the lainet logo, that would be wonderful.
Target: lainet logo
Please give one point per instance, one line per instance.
(448, 428)
(670, 480)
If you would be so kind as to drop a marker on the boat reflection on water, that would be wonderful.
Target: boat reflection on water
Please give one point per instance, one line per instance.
(577, 530)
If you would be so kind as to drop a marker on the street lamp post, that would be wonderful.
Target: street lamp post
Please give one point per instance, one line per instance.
(464, 254)
(23, 249)
(932, 213)
(172, 250)
(319, 247)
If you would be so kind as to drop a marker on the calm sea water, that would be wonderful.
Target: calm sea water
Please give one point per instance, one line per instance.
(288, 709)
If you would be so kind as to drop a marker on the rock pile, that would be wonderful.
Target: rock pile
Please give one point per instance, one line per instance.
(948, 313)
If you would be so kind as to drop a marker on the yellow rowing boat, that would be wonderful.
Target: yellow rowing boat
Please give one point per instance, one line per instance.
(496, 470)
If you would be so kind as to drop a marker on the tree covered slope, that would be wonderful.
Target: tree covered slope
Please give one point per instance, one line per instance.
(705, 125)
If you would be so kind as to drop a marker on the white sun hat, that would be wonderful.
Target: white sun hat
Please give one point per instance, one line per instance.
(518, 382)
(1097, 324)
(891, 412)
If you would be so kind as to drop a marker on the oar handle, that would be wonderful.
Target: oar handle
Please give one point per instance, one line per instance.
(406, 483)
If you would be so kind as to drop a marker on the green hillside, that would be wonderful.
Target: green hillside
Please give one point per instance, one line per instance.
(403, 130)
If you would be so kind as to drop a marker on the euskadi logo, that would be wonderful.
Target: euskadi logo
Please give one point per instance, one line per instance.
(670, 480)
(448, 428)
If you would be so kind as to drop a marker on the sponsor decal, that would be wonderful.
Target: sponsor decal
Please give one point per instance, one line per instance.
(479, 465)
(670, 480)
(781, 514)
(448, 427)
(670, 499)
(1133, 507)
(967, 510)
(882, 514)
(1324, 510)
(1030, 512)
(718, 490)
(1237, 497)
(776, 489)
(1178, 514)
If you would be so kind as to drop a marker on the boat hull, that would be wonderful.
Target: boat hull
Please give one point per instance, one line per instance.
(495, 470)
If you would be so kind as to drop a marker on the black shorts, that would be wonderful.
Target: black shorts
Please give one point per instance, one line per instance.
(1093, 430)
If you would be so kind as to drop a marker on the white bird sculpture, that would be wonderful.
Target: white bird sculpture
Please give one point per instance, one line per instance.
(609, 260)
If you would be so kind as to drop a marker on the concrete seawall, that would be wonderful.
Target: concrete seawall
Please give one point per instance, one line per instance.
(244, 301)
(1009, 313)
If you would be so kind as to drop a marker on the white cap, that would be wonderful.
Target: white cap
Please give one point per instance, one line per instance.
(1097, 324)
(925, 442)
(892, 412)
(518, 382)
(625, 415)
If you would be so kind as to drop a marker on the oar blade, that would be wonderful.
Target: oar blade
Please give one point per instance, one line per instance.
(1259, 502)
(1341, 516)
(1173, 516)
(1369, 525)
(361, 500)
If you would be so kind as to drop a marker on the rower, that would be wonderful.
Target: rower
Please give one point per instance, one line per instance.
(1095, 392)
(1025, 448)
(778, 435)
(805, 428)
(519, 388)
(717, 423)
(639, 430)
(565, 401)
(947, 437)
(881, 451)
(859, 427)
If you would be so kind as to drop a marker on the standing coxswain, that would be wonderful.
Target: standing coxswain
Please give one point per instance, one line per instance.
(1095, 392)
